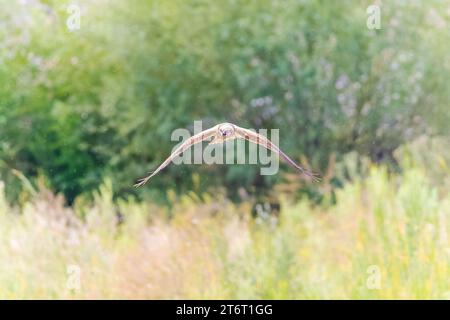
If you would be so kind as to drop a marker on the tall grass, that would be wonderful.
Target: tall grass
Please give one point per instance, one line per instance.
(392, 228)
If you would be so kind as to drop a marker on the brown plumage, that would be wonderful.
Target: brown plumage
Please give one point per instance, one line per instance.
(221, 133)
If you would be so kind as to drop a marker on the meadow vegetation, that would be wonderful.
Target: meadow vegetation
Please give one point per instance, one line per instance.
(393, 227)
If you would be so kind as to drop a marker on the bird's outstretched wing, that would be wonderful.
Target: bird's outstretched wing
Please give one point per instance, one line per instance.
(183, 147)
(266, 143)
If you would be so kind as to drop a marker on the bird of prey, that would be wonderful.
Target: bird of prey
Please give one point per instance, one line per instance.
(221, 133)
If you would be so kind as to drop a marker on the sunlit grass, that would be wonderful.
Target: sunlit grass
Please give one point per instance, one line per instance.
(397, 226)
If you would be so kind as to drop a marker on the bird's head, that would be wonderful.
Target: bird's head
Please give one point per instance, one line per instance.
(226, 130)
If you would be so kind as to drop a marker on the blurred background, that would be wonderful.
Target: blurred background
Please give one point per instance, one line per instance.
(90, 92)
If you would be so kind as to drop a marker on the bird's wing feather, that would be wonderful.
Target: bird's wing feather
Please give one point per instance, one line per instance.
(266, 143)
(183, 147)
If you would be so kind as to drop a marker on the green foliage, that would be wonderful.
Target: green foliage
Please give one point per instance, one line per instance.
(103, 100)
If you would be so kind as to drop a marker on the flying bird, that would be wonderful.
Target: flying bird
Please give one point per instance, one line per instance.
(221, 133)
